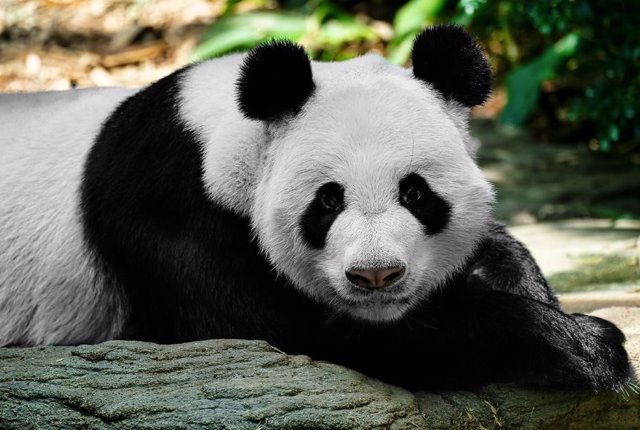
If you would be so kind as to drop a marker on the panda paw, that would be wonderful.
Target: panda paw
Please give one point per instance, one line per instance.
(605, 361)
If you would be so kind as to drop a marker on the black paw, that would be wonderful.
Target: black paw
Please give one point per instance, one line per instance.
(606, 363)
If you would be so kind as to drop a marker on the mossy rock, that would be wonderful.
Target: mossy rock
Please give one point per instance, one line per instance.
(240, 384)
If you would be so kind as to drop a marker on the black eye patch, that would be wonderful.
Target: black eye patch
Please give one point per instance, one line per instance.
(323, 210)
(425, 204)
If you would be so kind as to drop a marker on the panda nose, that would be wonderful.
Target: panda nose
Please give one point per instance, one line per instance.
(375, 278)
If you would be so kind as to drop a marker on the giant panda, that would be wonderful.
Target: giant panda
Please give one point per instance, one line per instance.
(331, 209)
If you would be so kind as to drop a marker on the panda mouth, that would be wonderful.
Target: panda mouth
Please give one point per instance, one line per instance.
(376, 309)
(376, 306)
(390, 296)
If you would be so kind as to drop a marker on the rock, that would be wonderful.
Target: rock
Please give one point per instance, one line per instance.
(585, 302)
(240, 384)
(234, 384)
(585, 254)
(592, 263)
(628, 319)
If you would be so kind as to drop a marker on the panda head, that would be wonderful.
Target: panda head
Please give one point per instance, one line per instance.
(368, 197)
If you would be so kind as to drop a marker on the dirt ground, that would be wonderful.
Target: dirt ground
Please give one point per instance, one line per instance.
(61, 44)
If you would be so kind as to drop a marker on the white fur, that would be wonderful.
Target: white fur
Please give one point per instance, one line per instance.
(49, 290)
(233, 144)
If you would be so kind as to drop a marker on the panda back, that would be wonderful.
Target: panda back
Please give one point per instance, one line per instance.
(48, 286)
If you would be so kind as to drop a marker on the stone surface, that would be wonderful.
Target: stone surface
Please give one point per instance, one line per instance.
(238, 384)
(544, 181)
(585, 254)
(585, 302)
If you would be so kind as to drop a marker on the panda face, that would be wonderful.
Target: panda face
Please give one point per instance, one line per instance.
(368, 198)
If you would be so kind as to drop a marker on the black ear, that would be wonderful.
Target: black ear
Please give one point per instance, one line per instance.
(450, 59)
(275, 80)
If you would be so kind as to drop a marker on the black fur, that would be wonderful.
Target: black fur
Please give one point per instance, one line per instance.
(189, 270)
(471, 336)
(449, 59)
(504, 264)
(430, 209)
(318, 218)
(275, 80)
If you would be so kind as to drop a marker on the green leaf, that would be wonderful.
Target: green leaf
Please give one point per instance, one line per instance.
(229, 5)
(400, 51)
(243, 31)
(327, 10)
(337, 32)
(408, 22)
(523, 84)
(415, 14)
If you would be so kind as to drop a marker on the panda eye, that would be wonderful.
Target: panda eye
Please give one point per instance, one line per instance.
(331, 202)
(411, 195)
(331, 197)
(425, 205)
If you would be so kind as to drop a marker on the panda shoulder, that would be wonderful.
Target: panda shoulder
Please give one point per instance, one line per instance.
(189, 117)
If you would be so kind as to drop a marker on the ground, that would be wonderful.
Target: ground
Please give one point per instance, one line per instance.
(576, 211)
(240, 384)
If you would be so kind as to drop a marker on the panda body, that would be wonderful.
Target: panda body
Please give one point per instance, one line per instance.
(50, 291)
(262, 196)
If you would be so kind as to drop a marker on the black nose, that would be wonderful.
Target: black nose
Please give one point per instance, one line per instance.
(376, 278)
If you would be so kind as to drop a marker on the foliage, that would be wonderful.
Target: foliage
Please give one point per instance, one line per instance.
(524, 83)
(324, 27)
(570, 68)
(408, 22)
(583, 54)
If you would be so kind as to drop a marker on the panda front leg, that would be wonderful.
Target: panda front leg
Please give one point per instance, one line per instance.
(503, 263)
(514, 338)
(579, 350)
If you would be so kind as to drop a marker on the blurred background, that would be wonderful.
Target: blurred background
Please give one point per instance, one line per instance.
(560, 136)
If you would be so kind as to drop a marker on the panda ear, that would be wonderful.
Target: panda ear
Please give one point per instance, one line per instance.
(450, 59)
(275, 80)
